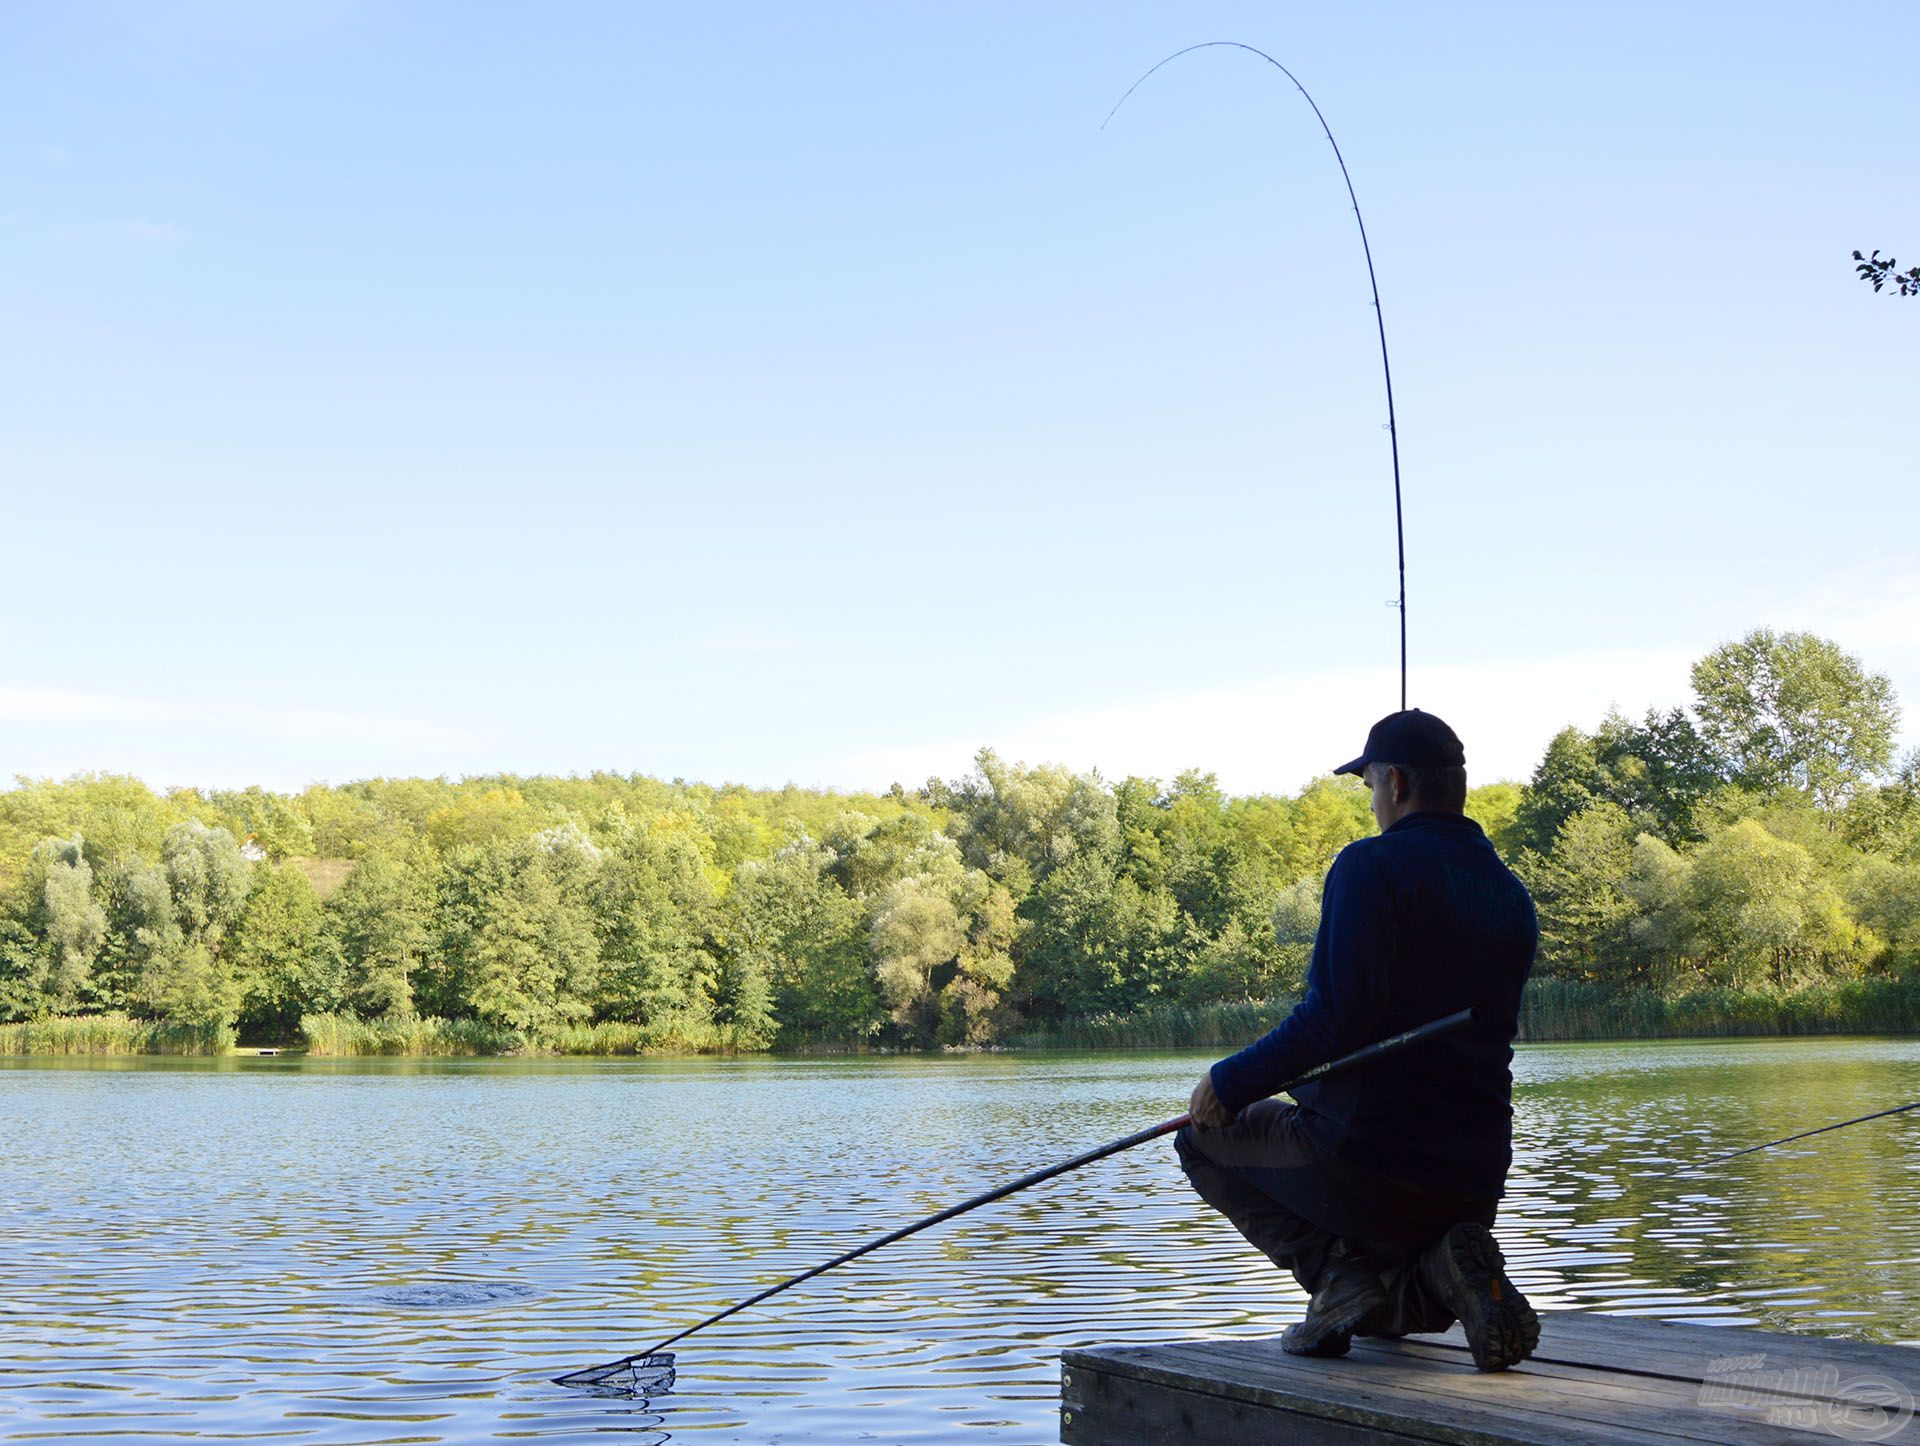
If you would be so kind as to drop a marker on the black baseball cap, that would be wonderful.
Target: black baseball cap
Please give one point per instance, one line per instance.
(1411, 739)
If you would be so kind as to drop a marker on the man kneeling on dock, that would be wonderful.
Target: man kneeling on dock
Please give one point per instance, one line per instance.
(1378, 1187)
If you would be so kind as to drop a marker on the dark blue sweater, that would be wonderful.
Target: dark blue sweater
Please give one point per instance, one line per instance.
(1416, 923)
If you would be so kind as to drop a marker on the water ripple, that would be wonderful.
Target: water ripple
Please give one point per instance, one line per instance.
(390, 1251)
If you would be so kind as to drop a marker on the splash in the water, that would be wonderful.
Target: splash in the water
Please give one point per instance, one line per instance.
(451, 1294)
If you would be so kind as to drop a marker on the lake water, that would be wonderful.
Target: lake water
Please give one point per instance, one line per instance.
(405, 1251)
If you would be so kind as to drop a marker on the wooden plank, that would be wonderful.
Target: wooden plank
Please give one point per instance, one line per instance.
(1105, 1408)
(1676, 1350)
(1595, 1378)
(1097, 1409)
(1657, 1409)
(1332, 1393)
(1627, 1364)
(1687, 1351)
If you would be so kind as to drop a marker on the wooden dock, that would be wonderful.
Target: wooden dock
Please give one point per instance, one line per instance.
(1595, 1379)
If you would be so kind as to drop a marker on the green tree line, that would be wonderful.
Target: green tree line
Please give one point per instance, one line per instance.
(1766, 836)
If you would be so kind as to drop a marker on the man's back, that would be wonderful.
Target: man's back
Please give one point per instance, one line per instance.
(1460, 935)
(1416, 923)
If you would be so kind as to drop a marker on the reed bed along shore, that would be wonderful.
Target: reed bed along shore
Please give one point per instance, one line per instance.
(1559, 1009)
(1162, 1027)
(417, 1035)
(347, 1034)
(112, 1034)
(1553, 1011)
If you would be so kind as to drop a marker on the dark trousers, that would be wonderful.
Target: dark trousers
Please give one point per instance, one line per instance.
(1310, 1213)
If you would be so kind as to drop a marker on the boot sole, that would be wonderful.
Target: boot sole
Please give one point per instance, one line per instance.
(1502, 1329)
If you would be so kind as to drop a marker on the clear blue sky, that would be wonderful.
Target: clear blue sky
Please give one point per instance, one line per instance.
(814, 392)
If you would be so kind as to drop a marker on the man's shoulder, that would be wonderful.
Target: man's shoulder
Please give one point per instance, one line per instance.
(1438, 845)
(1360, 849)
(1364, 858)
(1444, 833)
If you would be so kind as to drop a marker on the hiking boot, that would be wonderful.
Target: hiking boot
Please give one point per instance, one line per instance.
(1466, 1270)
(1347, 1296)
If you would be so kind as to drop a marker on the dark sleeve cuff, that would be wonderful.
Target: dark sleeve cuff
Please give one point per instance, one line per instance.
(1240, 1079)
(1225, 1087)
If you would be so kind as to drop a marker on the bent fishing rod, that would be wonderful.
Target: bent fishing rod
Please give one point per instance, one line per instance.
(659, 1360)
(1380, 320)
(1789, 1139)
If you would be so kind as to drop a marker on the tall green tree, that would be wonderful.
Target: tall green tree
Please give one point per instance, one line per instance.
(155, 967)
(1565, 782)
(1579, 894)
(1886, 819)
(209, 878)
(1198, 851)
(1011, 820)
(917, 932)
(1096, 941)
(1792, 710)
(280, 956)
(377, 927)
(971, 1011)
(60, 927)
(1296, 925)
(1658, 771)
(1663, 930)
(1883, 894)
(743, 1001)
(870, 854)
(523, 952)
(808, 937)
(940, 939)
(653, 907)
(1764, 913)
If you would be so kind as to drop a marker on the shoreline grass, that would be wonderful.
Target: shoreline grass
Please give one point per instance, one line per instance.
(348, 1035)
(1553, 1011)
(112, 1034)
(418, 1036)
(1561, 1010)
(1166, 1026)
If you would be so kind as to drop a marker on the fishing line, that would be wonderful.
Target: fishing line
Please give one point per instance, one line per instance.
(1386, 367)
(1789, 1139)
(652, 1372)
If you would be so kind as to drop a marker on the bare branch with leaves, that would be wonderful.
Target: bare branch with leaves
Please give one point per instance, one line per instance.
(1882, 273)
